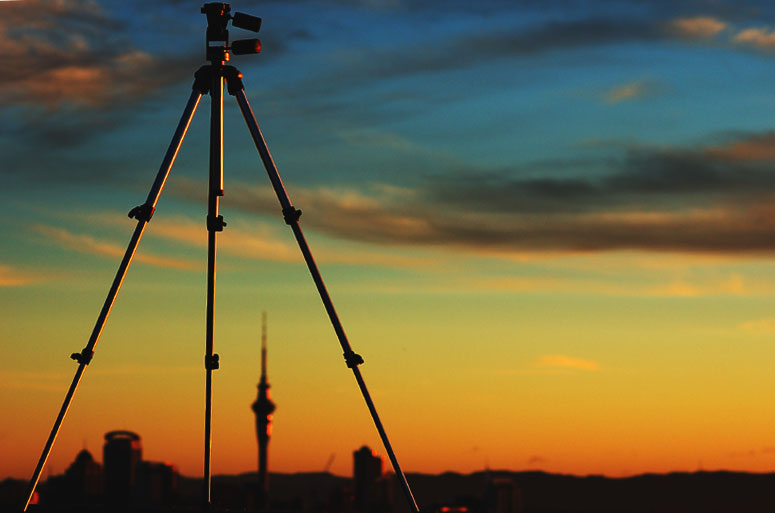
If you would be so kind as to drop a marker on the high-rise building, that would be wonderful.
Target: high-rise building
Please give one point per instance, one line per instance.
(121, 455)
(263, 407)
(367, 471)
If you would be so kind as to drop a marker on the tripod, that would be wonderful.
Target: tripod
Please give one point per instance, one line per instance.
(210, 79)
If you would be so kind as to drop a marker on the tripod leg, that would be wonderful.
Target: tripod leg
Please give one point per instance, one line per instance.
(143, 214)
(291, 215)
(215, 224)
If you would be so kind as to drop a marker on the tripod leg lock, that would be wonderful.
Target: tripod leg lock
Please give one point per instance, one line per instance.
(142, 212)
(233, 80)
(215, 224)
(353, 359)
(291, 215)
(84, 357)
(203, 79)
(212, 362)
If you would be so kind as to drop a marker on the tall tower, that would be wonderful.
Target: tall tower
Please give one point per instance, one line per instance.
(121, 455)
(263, 408)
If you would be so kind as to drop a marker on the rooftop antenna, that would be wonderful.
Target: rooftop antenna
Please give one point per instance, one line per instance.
(210, 79)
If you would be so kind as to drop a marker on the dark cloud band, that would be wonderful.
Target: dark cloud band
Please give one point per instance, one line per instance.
(697, 200)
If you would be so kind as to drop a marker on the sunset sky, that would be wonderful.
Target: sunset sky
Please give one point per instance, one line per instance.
(548, 227)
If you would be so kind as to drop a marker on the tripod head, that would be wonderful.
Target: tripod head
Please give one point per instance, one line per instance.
(218, 17)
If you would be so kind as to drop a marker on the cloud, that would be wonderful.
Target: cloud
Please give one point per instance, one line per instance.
(14, 277)
(71, 71)
(759, 326)
(149, 369)
(487, 44)
(57, 381)
(248, 239)
(72, 53)
(734, 285)
(258, 243)
(753, 148)
(378, 139)
(698, 27)
(471, 47)
(708, 28)
(655, 285)
(90, 245)
(714, 200)
(641, 178)
(468, 49)
(27, 380)
(629, 91)
(567, 362)
(342, 212)
(758, 38)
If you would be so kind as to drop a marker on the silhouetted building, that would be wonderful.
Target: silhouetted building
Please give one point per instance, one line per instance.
(83, 479)
(367, 471)
(263, 407)
(123, 482)
(504, 496)
(121, 455)
(13, 494)
(156, 484)
(80, 485)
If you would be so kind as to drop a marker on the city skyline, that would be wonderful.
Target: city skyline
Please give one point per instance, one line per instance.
(125, 477)
(546, 228)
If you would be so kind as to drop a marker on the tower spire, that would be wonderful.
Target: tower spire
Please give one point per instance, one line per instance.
(263, 407)
(263, 347)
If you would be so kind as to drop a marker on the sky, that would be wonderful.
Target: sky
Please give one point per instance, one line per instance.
(548, 228)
